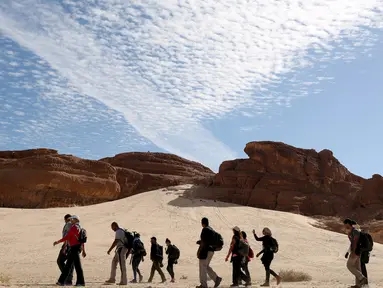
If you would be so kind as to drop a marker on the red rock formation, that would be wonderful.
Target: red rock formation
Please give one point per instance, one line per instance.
(282, 177)
(42, 178)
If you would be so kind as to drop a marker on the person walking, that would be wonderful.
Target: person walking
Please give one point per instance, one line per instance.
(64, 251)
(119, 255)
(74, 238)
(236, 257)
(245, 275)
(138, 254)
(353, 256)
(156, 255)
(205, 253)
(173, 256)
(270, 247)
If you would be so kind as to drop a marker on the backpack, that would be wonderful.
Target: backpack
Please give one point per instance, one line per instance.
(217, 241)
(82, 237)
(176, 253)
(365, 243)
(160, 251)
(243, 248)
(274, 246)
(128, 243)
(138, 247)
(251, 253)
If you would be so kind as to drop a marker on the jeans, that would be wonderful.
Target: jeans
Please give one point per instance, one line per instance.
(136, 260)
(237, 263)
(73, 259)
(245, 275)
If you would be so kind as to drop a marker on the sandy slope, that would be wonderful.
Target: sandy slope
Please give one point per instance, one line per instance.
(28, 257)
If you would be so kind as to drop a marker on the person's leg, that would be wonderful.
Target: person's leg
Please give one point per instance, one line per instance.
(159, 270)
(122, 261)
(153, 269)
(203, 264)
(61, 258)
(67, 268)
(247, 272)
(134, 267)
(353, 265)
(363, 268)
(267, 270)
(236, 270)
(213, 276)
(170, 268)
(75, 252)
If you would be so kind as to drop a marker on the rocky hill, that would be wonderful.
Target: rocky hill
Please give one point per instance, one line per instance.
(42, 178)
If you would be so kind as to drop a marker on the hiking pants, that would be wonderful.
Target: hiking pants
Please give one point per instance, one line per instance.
(354, 266)
(156, 266)
(364, 259)
(136, 260)
(61, 259)
(237, 263)
(170, 268)
(119, 259)
(73, 260)
(205, 269)
(245, 275)
(364, 269)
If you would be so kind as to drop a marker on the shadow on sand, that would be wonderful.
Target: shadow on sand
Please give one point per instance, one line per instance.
(199, 196)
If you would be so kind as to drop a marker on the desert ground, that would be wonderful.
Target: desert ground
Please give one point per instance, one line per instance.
(28, 258)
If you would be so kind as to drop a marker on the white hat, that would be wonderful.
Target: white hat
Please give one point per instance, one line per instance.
(75, 217)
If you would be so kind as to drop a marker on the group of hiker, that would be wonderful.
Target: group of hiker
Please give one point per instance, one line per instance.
(240, 254)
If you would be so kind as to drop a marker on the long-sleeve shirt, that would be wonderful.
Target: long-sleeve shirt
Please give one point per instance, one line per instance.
(205, 242)
(267, 242)
(353, 236)
(72, 236)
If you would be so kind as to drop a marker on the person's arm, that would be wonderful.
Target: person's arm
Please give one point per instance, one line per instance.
(68, 235)
(258, 238)
(83, 250)
(260, 253)
(114, 244)
(230, 249)
(205, 237)
(354, 242)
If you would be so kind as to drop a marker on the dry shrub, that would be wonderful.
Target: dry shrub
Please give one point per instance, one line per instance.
(4, 278)
(294, 276)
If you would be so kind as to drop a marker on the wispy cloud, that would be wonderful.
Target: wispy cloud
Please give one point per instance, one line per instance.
(169, 65)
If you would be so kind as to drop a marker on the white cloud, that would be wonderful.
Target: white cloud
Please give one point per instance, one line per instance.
(168, 65)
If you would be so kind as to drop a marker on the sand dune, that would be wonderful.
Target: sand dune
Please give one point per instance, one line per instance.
(29, 259)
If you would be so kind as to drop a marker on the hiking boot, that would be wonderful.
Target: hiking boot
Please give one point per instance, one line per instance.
(109, 281)
(217, 282)
(266, 284)
(140, 278)
(133, 281)
(163, 281)
(247, 284)
(279, 279)
(172, 281)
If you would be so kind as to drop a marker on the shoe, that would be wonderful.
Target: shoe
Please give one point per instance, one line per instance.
(122, 284)
(200, 286)
(234, 285)
(109, 281)
(217, 282)
(68, 284)
(172, 281)
(265, 284)
(363, 282)
(133, 281)
(149, 281)
(163, 281)
(248, 284)
(140, 278)
(354, 286)
(79, 285)
(60, 284)
(279, 279)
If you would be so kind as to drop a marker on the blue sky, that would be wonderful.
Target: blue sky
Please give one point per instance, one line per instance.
(96, 78)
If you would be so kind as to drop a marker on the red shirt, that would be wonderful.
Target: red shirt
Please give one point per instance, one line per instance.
(72, 236)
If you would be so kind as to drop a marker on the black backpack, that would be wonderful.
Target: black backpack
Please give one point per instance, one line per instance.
(217, 241)
(82, 237)
(160, 251)
(175, 253)
(128, 243)
(138, 247)
(274, 245)
(365, 243)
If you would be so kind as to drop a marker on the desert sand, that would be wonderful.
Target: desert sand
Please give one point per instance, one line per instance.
(28, 257)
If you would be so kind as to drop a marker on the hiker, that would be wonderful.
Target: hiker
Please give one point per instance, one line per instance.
(173, 256)
(353, 255)
(76, 242)
(119, 255)
(64, 251)
(138, 254)
(270, 246)
(208, 244)
(245, 275)
(237, 256)
(156, 255)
